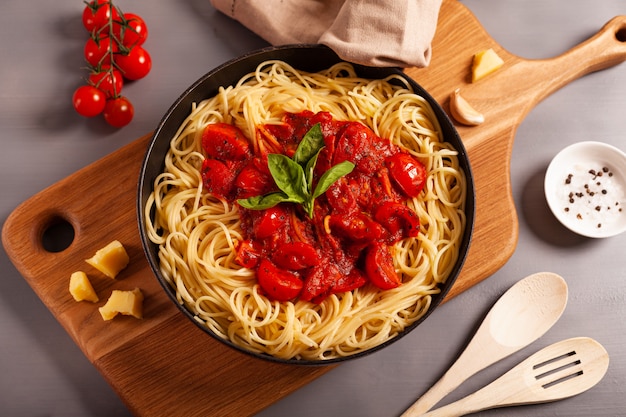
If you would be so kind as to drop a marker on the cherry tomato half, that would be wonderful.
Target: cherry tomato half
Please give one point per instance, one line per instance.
(225, 142)
(108, 80)
(217, 178)
(319, 282)
(278, 284)
(407, 172)
(358, 227)
(118, 112)
(253, 181)
(88, 101)
(398, 219)
(135, 64)
(295, 256)
(270, 221)
(379, 267)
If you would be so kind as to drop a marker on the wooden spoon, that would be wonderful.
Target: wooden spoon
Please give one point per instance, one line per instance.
(561, 370)
(522, 315)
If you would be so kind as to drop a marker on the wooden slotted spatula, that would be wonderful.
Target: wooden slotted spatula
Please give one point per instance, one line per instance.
(559, 371)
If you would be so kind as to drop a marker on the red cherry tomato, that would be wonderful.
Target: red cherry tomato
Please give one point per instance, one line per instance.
(252, 181)
(399, 220)
(88, 101)
(341, 198)
(131, 30)
(98, 15)
(355, 279)
(225, 142)
(217, 178)
(355, 143)
(248, 254)
(358, 227)
(118, 111)
(295, 256)
(270, 221)
(407, 172)
(319, 282)
(135, 64)
(379, 267)
(108, 80)
(98, 50)
(278, 284)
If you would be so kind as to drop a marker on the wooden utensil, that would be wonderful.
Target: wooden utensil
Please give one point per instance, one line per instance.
(559, 371)
(522, 315)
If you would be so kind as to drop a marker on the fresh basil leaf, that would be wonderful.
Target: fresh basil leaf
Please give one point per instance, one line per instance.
(262, 202)
(308, 171)
(310, 145)
(332, 175)
(288, 176)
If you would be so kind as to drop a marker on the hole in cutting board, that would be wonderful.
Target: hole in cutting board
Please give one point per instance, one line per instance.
(58, 235)
(620, 35)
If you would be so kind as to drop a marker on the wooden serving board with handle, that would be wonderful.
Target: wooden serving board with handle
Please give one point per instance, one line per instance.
(165, 365)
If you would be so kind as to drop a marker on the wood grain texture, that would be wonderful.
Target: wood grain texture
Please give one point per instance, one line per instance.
(141, 359)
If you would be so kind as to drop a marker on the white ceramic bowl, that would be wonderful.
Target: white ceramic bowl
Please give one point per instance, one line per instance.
(585, 187)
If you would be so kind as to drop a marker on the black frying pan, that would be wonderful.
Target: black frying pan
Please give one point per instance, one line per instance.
(310, 58)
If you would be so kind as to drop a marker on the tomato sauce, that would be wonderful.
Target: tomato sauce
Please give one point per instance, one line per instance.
(348, 241)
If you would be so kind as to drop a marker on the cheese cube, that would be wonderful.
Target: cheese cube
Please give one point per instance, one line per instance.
(485, 63)
(81, 288)
(128, 303)
(110, 260)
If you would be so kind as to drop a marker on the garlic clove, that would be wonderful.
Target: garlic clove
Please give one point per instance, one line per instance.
(463, 112)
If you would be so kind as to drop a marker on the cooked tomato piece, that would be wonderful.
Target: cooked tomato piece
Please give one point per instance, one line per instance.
(355, 226)
(398, 219)
(407, 172)
(225, 142)
(269, 221)
(379, 267)
(341, 198)
(319, 282)
(277, 283)
(355, 143)
(248, 254)
(355, 279)
(295, 256)
(252, 181)
(217, 178)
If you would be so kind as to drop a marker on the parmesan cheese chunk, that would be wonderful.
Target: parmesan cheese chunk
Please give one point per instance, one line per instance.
(128, 303)
(81, 288)
(110, 260)
(485, 62)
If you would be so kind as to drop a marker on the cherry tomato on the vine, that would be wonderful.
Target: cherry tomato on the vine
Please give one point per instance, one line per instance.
(98, 50)
(98, 14)
(107, 79)
(118, 112)
(131, 30)
(88, 101)
(134, 65)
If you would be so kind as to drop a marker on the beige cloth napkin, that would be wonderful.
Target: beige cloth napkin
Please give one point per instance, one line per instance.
(371, 32)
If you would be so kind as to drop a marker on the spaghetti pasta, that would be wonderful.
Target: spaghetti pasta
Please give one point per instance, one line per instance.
(197, 234)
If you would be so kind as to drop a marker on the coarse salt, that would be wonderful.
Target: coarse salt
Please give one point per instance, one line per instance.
(591, 195)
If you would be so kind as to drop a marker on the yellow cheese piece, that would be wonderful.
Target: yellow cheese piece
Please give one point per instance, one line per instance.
(128, 303)
(485, 63)
(81, 288)
(110, 260)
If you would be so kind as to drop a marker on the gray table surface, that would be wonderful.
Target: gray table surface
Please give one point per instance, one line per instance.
(42, 372)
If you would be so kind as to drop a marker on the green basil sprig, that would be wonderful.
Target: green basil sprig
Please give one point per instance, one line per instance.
(294, 176)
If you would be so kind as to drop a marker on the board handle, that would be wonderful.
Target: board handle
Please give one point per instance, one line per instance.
(605, 49)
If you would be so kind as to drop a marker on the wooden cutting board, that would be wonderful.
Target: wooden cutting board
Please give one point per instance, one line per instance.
(163, 364)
